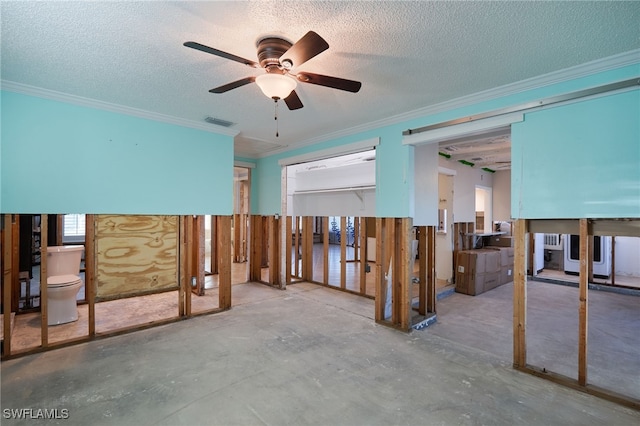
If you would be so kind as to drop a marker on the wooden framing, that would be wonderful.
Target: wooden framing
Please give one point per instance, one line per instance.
(520, 294)
(393, 256)
(307, 248)
(255, 260)
(288, 247)
(343, 252)
(363, 255)
(427, 270)
(274, 250)
(586, 229)
(224, 258)
(183, 288)
(89, 272)
(8, 229)
(325, 249)
(585, 261)
(44, 229)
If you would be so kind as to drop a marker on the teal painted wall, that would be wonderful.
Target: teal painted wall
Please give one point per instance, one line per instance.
(394, 173)
(580, 160)
(394, 162)
(62, 158)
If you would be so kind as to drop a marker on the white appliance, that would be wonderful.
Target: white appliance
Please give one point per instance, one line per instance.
(601, 255)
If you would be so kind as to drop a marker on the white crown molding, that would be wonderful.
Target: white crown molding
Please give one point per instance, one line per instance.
(53, 95)
(583, 70)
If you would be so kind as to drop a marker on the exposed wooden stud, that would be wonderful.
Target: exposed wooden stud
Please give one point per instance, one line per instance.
(15, 265)
(363, 256)
(422, 270)
(214, 247)
(613, 260)
(274, 251)
(288, 243)
(189, 266)
(265, 242)
(431, 269)
(520, 294)
(532, 247)
(296, 255)
(255, 261)
(182, 264)
(356, 240)
(307, 248)
(325, 249)
(224, 262)
(381, 283)
(404, 265)
(590, 259)
(197, 252)
(7, 280)
(44, 323)
(343, 251)
(89, 273)
(583, 288)
(236, 238)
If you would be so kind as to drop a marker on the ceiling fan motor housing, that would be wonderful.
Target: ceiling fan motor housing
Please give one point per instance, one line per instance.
(270, 50)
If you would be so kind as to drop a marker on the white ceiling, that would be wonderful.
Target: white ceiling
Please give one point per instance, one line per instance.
(408, 55)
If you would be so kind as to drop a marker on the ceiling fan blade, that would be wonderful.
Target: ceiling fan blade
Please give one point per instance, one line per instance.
(327, 81)
(232, 85)
(211, 50)
(293, 101)
(310, 45)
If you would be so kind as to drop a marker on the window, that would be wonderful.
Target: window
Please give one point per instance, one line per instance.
(73, 228)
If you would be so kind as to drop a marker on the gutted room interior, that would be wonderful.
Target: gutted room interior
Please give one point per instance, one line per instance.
(463, 178)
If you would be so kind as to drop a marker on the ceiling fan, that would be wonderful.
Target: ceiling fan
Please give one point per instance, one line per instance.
(278, 57)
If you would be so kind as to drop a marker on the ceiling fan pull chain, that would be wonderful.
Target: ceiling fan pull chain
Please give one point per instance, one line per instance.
(276, 115)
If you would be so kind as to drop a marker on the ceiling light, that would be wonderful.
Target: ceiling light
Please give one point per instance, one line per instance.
(276, 86)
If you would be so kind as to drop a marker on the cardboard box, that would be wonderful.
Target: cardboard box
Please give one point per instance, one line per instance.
(501, 241)
(506, 256)
(506, 275)
(477, 270)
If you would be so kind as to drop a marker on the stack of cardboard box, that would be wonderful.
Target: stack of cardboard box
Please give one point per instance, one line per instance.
(484, 269)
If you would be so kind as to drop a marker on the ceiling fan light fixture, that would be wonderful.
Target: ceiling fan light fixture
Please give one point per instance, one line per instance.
(276, 86)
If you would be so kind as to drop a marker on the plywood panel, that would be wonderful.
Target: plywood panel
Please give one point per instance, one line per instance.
(135, 255)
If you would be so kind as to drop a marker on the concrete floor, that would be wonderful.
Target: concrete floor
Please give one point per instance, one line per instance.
(308, 355)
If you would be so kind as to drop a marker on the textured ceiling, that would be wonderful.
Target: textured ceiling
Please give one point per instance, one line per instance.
(408, 55)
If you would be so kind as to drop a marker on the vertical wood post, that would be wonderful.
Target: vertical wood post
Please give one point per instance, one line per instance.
(402, 270)
(381, 255)
(288, 243)
(520, 294)
(214, 245)
(422, 269)
(356, 240)
(7, 280)
(343, 251)
(183, 268)
(363, 256)
(44, 319)
(90, 271)
(255, 261)
(325, 249)
(189, 267)
(224, 262)
(431, 269)
(296, 256)
(307, 248)
(585, 261)
(274, 251)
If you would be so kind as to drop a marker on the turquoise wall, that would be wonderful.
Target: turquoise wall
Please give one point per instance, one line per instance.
(394, 173)
(62, 158)
(580, 160)
(394, 161)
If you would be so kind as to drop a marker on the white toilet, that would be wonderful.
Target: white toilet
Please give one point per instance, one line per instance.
(63, 283)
